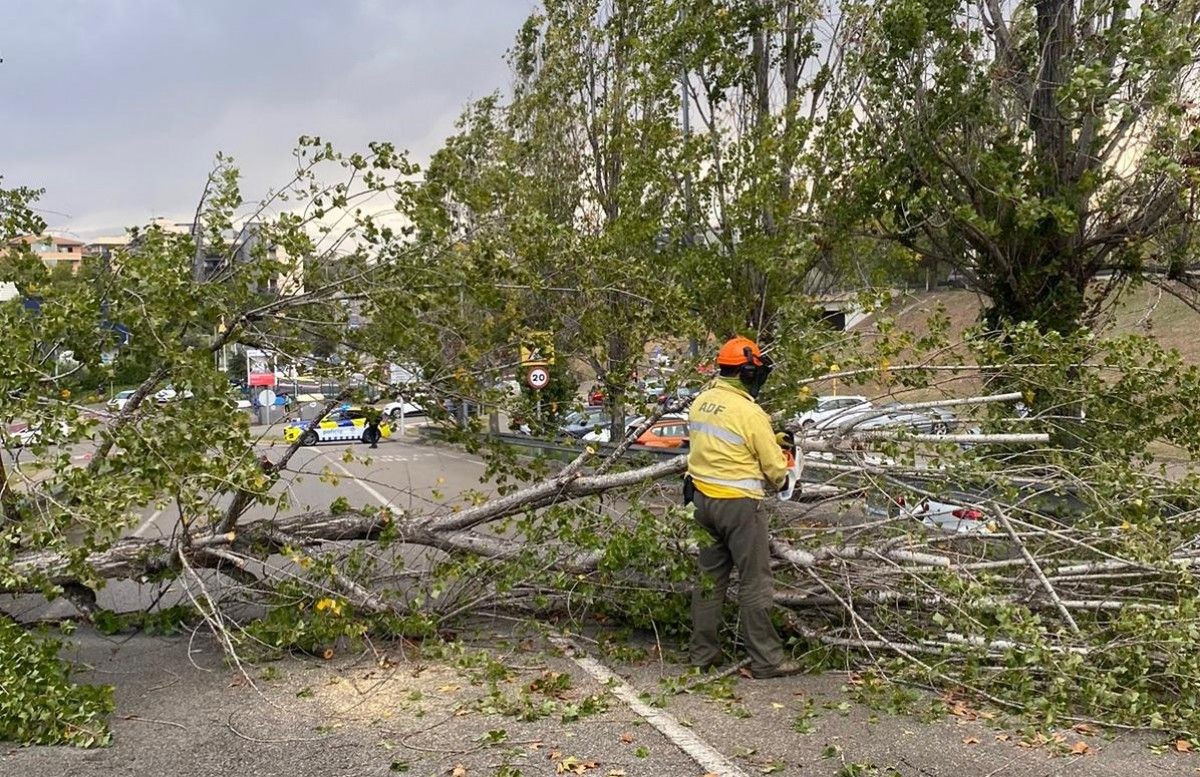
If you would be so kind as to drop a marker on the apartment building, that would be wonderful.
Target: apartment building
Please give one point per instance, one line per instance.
(103, 247)
(54, 251)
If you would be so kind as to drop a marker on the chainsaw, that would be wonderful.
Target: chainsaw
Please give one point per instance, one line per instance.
(795, 466)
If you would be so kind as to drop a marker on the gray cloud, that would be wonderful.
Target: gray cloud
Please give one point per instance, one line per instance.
(117, 107)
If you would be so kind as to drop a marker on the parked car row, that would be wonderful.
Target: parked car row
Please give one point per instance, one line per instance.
(850, 413)
(162, 396)
(240, 397)
(669, 431)
(651, 390)
(844, 414)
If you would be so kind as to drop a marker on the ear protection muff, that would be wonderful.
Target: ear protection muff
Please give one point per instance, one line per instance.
(749, 370)
(752, 375)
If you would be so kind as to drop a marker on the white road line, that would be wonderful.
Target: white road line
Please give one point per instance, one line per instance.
(365, 486)
(708, 757)
(146, 524)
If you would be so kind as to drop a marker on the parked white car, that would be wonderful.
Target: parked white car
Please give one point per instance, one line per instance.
(119, 400)
(394, 410)
(170, 394)
(831, 411)
(33, 435)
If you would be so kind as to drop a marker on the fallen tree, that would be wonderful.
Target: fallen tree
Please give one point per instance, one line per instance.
(1031, 590)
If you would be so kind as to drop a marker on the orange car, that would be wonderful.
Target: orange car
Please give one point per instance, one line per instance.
(667, 433)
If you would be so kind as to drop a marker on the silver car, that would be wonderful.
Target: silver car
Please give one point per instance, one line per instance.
(933, 420)
(831, 412)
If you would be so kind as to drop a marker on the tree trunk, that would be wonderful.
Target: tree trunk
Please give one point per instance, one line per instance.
(1055, 25)
(1045, 279)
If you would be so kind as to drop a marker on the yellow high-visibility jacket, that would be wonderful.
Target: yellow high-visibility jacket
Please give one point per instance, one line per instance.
(732, 448)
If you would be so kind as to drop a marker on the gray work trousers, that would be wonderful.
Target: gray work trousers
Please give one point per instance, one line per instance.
(739, 532)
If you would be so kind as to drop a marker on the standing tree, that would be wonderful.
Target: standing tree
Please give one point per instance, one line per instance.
(766, 87)
(560, 197)
(1034, 147)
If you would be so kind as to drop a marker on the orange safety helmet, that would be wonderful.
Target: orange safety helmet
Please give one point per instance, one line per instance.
(739, 351)
(754, 367)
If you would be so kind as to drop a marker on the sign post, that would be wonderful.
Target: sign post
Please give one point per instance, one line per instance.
(266, 401)
(537, 378)
(537, 353)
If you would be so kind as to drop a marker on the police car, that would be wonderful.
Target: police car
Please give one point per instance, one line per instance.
(346, 424)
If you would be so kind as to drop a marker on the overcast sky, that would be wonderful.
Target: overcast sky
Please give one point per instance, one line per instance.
(117, 107)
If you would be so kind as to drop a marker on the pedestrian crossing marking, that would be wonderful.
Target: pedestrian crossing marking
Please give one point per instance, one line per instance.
(401, 458)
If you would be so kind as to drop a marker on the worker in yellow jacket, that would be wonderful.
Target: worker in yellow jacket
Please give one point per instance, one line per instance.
(734, 460)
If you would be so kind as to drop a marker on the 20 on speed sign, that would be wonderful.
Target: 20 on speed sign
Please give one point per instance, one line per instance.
(537, 378)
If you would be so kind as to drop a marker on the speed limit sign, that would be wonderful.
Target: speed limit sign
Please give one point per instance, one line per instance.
(537, 378)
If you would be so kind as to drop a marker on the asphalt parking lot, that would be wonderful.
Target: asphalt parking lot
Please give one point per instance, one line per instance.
(395, 708)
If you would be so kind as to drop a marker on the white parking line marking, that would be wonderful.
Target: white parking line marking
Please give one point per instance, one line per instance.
(365, 486)
(708, 757)
(147, 524)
